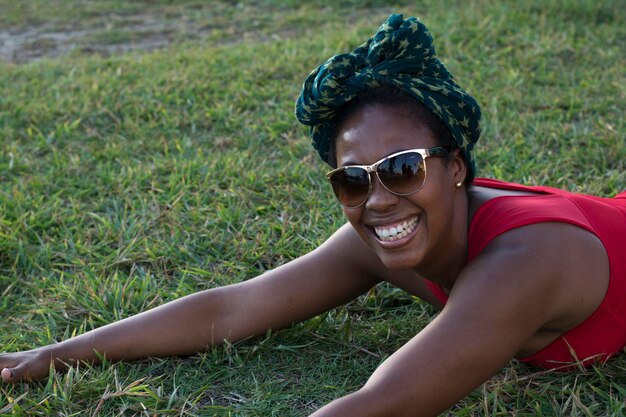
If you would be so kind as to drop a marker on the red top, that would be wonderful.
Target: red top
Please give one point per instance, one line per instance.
(604, 332)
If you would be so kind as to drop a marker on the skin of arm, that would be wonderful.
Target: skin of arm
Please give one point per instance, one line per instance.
(323, 279)
(522, 282)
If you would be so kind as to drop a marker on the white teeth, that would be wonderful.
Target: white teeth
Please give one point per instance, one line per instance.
(398, 231)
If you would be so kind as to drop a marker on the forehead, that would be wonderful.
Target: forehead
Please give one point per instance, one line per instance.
(375, 131)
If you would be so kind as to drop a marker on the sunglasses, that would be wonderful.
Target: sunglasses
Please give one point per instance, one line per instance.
(401, 173)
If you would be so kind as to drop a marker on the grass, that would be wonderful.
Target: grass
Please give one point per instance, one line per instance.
(131, 180)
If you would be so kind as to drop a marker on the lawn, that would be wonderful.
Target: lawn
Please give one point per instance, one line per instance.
(133, 176)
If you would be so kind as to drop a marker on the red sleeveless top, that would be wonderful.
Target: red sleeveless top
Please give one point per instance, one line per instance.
(603, 333)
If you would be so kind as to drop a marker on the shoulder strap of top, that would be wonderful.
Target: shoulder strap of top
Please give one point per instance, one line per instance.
(503, 185)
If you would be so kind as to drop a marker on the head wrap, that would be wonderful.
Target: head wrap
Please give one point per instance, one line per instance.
(401, 54)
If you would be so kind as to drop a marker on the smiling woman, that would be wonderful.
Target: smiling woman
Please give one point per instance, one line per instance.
(527, 272)
(377, 131)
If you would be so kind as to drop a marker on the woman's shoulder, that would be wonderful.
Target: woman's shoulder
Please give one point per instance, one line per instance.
(483, 190)
(497, 207)
(499, 201)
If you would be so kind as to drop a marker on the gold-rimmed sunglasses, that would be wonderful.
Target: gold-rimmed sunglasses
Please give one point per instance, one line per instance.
(402, 173)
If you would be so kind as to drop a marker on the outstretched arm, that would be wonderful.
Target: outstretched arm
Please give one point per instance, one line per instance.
(527, 279)
(316, 282)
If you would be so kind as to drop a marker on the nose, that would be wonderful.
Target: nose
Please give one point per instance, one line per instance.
(380, 198)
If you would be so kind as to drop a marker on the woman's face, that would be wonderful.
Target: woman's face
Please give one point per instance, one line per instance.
(434, 217)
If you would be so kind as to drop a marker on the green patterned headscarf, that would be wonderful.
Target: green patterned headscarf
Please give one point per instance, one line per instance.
(400, 54)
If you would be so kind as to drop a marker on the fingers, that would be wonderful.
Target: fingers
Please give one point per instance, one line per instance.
(16, 374)
(7, 375)
(23, 366)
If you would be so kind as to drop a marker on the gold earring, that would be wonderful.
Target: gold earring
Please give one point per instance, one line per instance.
(459, 184)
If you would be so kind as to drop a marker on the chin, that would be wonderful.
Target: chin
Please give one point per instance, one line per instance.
(398, 262)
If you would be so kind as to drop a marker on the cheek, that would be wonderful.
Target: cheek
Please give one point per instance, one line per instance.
(354, 217)
(439, 213)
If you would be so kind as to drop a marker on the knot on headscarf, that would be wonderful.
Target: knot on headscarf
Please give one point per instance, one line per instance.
(400, 54)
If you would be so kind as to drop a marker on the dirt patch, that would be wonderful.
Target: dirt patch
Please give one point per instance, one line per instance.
(83, 28)
(118, 34)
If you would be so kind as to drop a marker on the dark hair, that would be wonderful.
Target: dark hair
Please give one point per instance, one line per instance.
(386, 94)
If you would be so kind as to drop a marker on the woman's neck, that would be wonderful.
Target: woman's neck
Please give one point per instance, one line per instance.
(451, 251)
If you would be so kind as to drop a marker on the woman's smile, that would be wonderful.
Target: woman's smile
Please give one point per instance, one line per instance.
(399, 232)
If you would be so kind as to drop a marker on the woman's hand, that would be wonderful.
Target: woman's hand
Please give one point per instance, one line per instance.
(25, 366)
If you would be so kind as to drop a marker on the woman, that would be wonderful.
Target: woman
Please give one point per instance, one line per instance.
(528, 272)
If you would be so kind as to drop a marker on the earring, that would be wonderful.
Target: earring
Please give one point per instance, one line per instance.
(459, 184)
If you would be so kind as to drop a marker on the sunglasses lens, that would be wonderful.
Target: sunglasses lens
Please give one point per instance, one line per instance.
(403, 174)
(351, 186)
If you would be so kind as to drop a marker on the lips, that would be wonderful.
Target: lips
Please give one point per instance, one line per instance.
(393, 232)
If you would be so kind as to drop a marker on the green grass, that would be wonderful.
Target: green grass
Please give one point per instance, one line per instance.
(130, 180)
